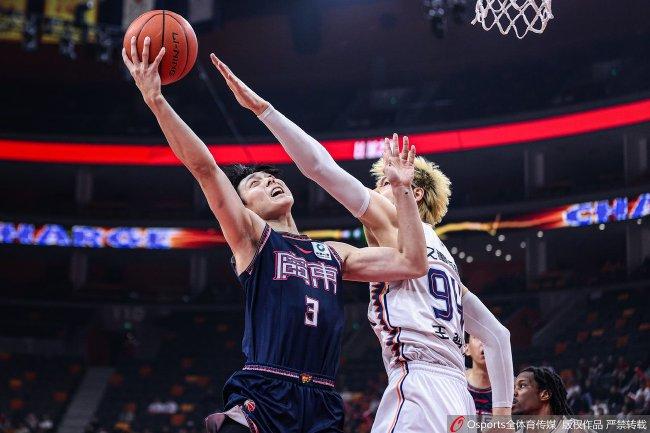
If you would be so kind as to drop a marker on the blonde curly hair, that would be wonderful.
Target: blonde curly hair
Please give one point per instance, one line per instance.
(435, 184)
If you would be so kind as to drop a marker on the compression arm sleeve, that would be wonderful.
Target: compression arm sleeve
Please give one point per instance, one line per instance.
(315, 162)
(481, 323)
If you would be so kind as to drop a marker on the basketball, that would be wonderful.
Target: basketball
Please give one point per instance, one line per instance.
(168, 29)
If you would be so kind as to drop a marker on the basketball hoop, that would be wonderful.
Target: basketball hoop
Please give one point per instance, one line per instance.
(520, 16)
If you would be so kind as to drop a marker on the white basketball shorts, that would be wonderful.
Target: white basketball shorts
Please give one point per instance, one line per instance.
(419, 398)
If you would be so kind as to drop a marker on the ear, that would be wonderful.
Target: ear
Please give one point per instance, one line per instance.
(544, 395)
(418, 193)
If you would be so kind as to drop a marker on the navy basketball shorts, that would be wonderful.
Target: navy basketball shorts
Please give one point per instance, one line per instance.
(280, 401)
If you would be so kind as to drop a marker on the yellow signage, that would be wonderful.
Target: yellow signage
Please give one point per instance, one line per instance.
(73, 19)
(12, 19)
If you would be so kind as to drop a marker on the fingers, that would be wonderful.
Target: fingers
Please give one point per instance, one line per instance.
(395, 144)
(387, 151)
(221, 67)
(127, 61)
(134, 52)
(158, 58)
(145, 51)
(411, 155)
(217, 63)
(405, 147)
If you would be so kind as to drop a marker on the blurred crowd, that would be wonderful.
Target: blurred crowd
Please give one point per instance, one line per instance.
(27, 423)
(609, 387)
(599, 386)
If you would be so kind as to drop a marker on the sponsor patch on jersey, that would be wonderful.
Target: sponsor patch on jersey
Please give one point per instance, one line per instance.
(321, 251)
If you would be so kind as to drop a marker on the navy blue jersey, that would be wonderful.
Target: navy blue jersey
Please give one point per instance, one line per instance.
(294, 309)
(482, 399)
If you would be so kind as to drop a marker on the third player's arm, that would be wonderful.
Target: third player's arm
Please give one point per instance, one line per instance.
(240, 226)
(481, 323)
(314, 161)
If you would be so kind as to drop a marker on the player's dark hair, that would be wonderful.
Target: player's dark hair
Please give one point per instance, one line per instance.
(468, 358)
(549, 380)
(238, 172)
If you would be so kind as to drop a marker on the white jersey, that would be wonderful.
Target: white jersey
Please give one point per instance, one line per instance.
(421, 319)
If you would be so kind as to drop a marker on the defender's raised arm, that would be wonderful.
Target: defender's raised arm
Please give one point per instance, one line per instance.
(314, 161)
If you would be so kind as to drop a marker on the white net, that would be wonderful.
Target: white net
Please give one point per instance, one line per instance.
(519, 16)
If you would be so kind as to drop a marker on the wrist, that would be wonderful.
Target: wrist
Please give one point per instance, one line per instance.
(154, 101)
(260, 107)
(501, 411)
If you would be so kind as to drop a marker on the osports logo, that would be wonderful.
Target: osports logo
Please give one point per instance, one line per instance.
(456, 424)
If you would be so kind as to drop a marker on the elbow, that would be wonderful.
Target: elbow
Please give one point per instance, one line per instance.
(315, 171)
(417, 267)
(502, 333)
(505, 333)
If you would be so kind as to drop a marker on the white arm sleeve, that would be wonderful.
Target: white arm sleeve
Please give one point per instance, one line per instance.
(481, 323)
(316, 163)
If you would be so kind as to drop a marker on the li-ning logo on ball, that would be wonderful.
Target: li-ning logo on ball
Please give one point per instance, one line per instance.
(175, 52)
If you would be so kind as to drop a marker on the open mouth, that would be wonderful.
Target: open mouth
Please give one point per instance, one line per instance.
(276, 191)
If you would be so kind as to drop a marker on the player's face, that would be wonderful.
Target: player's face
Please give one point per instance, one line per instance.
(265, 195)
(527, 399)
(475, 350)
(383, 188)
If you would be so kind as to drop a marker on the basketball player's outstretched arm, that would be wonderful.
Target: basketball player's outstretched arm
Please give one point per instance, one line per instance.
(241, 227)
(376, 212)
(481, 323)
(408, 259)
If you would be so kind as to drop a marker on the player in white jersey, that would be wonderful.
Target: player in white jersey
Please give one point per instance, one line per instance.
(419, 322)
(420, 327)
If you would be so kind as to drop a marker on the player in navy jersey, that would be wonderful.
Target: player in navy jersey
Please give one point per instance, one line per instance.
(294, 312)
(419, 322)
(478, 380)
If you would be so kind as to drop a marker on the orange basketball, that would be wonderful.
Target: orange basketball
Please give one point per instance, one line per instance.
(168, 29)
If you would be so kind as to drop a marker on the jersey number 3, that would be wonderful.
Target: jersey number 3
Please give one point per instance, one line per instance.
(311, 311)
(442, 288)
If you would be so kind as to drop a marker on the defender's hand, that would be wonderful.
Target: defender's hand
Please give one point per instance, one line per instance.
(244, 95)
(146, 75)
(399, 167)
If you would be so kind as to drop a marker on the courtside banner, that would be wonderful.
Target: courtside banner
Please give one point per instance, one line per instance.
(341, 150)
(84, 236)
(155, 238)
(148, 238)
(573, 215)
(547, 424)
